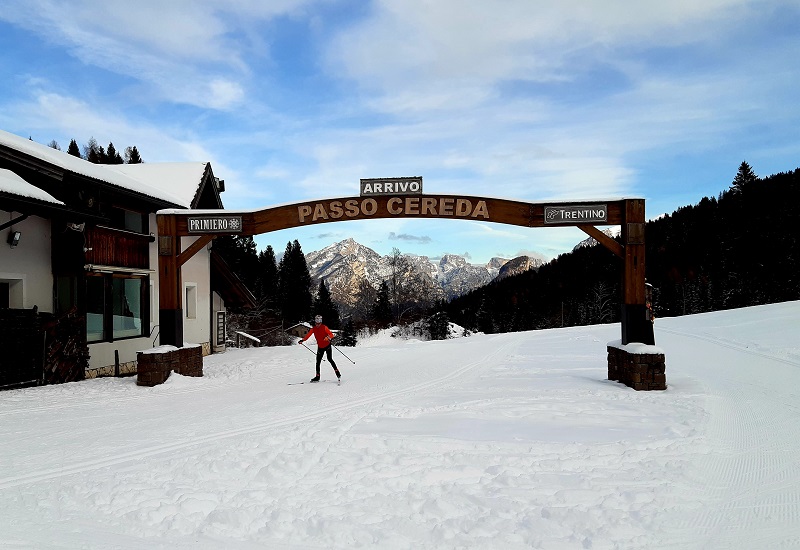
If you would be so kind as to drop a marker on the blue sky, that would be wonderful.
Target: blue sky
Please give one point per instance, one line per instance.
(293, 100)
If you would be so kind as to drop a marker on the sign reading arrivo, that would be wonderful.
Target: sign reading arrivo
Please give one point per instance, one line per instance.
(596, 213)
(391, 186)
(214, 224)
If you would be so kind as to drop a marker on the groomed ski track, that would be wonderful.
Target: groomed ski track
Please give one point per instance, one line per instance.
(514, 440)
(263, 377)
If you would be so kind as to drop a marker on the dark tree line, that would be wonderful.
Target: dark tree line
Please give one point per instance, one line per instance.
(739, 249)
(283, 289)
(95, 153)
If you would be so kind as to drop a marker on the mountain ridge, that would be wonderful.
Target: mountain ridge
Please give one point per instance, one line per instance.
(347, 264)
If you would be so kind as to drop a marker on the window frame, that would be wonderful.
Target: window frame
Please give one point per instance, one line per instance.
(190, 301)
(109, 310)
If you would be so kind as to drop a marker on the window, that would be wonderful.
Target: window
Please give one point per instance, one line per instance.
(128, 220)
(10, 292)
(95, 308)
(116, 307)
(190, 302)
(66, 293)
(127, 304)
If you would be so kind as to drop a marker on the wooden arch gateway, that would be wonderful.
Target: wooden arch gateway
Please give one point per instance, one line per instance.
(629, 213)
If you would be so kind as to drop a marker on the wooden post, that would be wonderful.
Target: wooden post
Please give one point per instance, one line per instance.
(635, 326)
(170, 311)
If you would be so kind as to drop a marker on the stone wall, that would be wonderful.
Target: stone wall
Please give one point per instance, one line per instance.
(130, 368)
(155, 365)
(640, 368)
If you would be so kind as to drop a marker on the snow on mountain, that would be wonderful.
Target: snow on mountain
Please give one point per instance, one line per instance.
(346, 264)
(612, 232)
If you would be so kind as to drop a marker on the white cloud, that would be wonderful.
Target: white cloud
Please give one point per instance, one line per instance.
(224, 93)
(184, 51)
(416, 41)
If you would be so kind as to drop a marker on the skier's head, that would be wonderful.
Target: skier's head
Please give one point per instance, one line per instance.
(318, 319)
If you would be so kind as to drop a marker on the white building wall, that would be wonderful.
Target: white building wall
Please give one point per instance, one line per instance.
(196, 285)
(27, 267)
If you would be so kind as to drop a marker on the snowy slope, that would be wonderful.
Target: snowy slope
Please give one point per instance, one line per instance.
(501, 441)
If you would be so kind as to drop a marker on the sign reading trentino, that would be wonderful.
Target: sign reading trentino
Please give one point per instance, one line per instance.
(596, 213)
(214, 224)
(391, 186)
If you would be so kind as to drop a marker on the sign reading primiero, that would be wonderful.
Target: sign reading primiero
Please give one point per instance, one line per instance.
(214, 224)
(391, 186)
(597, 213)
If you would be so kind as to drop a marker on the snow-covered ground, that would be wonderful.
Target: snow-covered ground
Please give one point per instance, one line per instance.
(501, 441)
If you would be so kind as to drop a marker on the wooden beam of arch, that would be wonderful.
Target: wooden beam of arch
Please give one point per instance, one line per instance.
(457, 207)
(194, 248)
(604, 240)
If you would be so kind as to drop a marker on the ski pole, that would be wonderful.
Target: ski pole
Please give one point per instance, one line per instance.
(343, 353)
(308, 348)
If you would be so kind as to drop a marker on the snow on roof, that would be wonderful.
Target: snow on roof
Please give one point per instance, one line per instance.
(100, 172)
(183, 179)
(13, 184)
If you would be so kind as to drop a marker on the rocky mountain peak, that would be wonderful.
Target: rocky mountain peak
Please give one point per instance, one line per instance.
(347, 264)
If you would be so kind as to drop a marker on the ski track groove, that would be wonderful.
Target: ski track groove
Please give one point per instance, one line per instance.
(89, 401)
(742, 475)
(730, 345)
(55, 473)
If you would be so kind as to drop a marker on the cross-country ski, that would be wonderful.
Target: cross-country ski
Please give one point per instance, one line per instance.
(337, 382)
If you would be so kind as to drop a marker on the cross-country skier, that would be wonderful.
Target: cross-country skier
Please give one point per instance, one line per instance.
(323, 336)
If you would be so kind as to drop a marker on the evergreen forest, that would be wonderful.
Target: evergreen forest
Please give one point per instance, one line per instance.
(739, 249)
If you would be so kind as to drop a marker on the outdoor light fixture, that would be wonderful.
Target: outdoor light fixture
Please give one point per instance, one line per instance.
(13, 238)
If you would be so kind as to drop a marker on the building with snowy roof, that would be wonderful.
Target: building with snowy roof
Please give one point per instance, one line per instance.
(79, 256)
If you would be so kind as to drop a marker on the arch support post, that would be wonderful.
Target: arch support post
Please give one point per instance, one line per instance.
(170, 311)
(636, 327)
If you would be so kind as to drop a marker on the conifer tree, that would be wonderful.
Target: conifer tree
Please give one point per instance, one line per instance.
(132, 155)
(324, 305)
(93, 152)
(382, 310)
(73, 149)
(112, 155)
(348, 337)
(439, 326)
(294, 285)
(744, 177)
(267, 287)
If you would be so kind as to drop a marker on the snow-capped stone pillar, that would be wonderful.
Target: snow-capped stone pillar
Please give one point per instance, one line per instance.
(638, 366)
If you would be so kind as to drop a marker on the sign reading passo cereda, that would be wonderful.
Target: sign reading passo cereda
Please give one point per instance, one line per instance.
(576, 214)
(391, 186)
(214, 224)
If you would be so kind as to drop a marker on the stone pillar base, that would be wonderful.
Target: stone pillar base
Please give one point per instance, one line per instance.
(155, 366)
(638, 366)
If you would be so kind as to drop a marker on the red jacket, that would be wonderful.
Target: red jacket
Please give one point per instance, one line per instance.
(322, 333)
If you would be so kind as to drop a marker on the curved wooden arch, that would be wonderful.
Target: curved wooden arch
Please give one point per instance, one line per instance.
(510, 212)
(626, 212)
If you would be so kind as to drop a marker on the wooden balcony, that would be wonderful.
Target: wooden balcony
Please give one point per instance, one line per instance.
(117, 247)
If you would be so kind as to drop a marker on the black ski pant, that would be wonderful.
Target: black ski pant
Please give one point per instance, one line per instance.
(323, 351)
